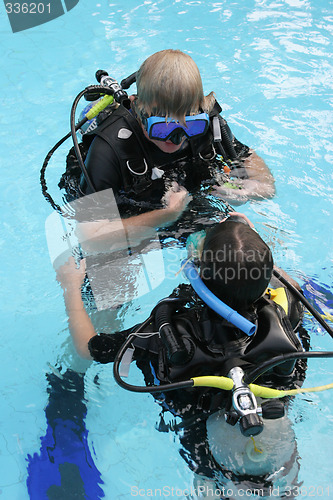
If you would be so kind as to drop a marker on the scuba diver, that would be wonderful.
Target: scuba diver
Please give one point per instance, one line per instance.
(188, 337)
(170, 121)
(162, 151)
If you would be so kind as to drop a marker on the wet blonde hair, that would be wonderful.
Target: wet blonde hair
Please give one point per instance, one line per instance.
(169, 84)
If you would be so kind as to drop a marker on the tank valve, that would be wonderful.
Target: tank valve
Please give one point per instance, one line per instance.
(245, 405)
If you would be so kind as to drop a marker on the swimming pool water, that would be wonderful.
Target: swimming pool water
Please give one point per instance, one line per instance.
(270, 65)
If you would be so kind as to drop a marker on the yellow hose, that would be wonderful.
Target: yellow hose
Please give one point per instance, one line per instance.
(227, 384)
(213, 381)
(99, 106)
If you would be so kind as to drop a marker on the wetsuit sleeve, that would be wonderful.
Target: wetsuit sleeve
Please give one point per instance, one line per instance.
(103, 167)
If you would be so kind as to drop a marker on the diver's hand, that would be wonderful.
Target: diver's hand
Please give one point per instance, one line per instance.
(239, 214)
(239, 191)
(231, 191)
(70, 276)
(176, 199)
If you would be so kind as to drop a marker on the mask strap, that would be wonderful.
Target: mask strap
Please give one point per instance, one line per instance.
(194, 244)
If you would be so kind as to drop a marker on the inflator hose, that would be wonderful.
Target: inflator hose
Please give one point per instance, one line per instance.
(127, 82)
(96, 88)
(178, 351)
(100, 90)
(46, 195)
(226, 141)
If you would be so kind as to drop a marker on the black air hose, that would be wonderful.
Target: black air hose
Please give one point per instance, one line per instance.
(226, 141)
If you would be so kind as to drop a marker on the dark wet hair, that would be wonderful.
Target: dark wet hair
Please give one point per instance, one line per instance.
(236, 264)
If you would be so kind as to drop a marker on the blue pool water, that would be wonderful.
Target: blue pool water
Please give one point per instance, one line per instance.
(270, 65)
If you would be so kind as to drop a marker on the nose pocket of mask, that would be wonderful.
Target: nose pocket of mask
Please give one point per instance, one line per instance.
(177, 136)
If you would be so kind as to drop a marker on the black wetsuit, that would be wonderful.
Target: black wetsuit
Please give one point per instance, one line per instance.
(115, 158)
(122, 159)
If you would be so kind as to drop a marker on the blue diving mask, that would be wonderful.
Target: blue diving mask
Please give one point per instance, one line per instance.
(160, 128)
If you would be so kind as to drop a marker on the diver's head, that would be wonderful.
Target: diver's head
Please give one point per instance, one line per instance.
(169, 84)
(169, 87)
(236, 264)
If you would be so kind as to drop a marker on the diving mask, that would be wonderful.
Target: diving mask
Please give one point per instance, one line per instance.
(160, 128)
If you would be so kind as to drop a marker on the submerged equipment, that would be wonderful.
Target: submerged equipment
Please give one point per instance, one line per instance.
(244, 404)
(219, 382)
(245, 408)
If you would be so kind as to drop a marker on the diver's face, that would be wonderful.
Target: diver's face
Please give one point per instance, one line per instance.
(165, 146)
(168, 146)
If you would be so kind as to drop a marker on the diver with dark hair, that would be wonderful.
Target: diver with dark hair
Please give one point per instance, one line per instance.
(186, 337)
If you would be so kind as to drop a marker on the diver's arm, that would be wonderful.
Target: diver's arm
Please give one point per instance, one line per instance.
(258, 185)
(257, 170)
(80, 325)
(260, 182)
(112, 235)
